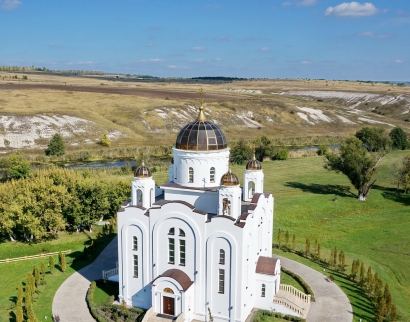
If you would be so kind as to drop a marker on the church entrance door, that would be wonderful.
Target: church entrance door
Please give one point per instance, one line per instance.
(169, 305)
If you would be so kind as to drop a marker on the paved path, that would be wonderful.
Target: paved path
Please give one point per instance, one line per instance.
(331, 303)
(69, 301)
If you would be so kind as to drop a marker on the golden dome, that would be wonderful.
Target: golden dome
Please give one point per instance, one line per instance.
(253, 164)
(201, 135)
(229, 179)
(142, 171)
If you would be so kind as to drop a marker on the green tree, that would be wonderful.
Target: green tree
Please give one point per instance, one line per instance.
(263, 147)
(56, 146)
(104, 140)
(399, 138)
(51, 264)
(279, 238)
(36, 274)
(294, 242)
(281, 154)
(335, 257)
(356, 163)
(287, 238)
(241, 152)
(362, 278)
(318, 252)
(15, 166)
(374, 139)
(369, 279)
(43, 272)
(307, 247)
(63, 263)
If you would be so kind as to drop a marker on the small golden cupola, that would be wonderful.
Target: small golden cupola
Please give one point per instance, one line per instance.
(253, 164)
(142, 171)
(229, 179)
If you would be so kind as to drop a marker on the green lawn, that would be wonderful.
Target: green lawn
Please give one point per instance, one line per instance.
(375, 231)
(14, 273)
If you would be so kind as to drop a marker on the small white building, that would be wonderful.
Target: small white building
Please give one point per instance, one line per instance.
(205, 246)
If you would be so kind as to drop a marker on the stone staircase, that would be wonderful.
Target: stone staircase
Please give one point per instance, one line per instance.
(293, 299)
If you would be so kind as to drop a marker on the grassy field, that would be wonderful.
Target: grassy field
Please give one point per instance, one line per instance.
(374, 231)
(14, 273)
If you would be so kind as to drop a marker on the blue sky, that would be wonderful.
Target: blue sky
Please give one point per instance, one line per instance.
(328, 39)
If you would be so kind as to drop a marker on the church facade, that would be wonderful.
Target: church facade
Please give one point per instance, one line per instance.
(204, 247)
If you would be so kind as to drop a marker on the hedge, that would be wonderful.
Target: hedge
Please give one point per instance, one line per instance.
(302, 283)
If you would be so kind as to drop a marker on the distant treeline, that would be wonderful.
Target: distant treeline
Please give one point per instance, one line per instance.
(220, 78)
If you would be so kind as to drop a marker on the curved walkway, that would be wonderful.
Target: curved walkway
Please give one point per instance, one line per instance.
(331, 304)
(69, 301)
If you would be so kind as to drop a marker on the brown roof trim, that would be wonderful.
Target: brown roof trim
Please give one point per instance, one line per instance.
(240, 224)
(126, 203)
(256, 197)
(252, 206)
(121, 209)
(267, 195)
(266, 265)
(223, 216)
(164, 202)
(139, 207)
(244, 215)
(181, 277)
(199, 212)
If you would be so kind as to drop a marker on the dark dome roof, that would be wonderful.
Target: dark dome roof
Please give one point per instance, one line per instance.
(253, 164)
(201, 135)
(229, 179)
(142, 171)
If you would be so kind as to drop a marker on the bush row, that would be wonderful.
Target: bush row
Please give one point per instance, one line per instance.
(259, 316)
(302, 283)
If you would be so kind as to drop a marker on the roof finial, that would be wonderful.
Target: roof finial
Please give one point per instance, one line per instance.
(143, 163)
(201, 115)
(253, 157)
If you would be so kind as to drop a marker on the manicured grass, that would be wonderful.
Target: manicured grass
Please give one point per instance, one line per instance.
(14, 273)
(374, 231)
(289, 280)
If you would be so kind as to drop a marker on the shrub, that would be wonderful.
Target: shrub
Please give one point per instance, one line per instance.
(281, 154)
(301, 282)
(322, 150)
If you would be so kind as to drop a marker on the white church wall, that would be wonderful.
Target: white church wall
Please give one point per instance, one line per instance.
(158, 294)
(264, 297)
(196, 270)
(224, 306)
(206, 201)
(132, 222)
(201, 162)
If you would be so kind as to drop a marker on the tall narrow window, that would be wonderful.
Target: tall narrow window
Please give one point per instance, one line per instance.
(212, 175)
(263, 290)
(136, 266)
(221, 281)
(171, 250)
(135, 243)
(182, 252)
(181, 233)
(221, 257)
(191, 175)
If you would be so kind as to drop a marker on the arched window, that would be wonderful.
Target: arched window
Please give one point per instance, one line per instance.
(191, 175)
(212, 175)
(171, 231)
(221, 257)
(136, 266)
(181, 233)
(226, 206)
(135, 243)
(263, 290)
(139, 197)
(171, 250)
(168, 290)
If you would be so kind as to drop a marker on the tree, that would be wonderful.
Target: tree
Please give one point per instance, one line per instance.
(369, 279)
(294, 242)
(15, 166)
(56, 146)
(318, 255)
(281, 154)
(241, 152)
(399, 138)
(51, 264)
(279, 238)
(357, 164)
(287, 238)
(104, 140)
(401, 173)
(374, 139)
(63, 263)
(263, 147)
(307, 246)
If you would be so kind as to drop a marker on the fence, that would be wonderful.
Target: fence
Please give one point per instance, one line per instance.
(10, 260)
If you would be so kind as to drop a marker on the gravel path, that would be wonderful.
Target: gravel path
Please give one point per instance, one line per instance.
(331, 303)
(69, 301)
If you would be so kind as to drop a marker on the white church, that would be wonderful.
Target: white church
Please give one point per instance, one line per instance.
(204, 246)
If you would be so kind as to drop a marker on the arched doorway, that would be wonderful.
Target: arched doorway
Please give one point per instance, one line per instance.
(168, 303)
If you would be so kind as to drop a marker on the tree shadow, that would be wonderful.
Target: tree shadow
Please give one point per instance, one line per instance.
(323, 189)
(12, 317)
(393, 195)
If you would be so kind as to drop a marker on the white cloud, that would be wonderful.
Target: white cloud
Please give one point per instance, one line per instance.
(149, 45)
(10, 4)
(89, 63)
(198, 60)
(218, 59)
(265, 48)
(174, 67)
(305, 62)
(287, 3)
(224, 38)
(156, 60)
(306, 3)
(371, 34)
(198, 48)
(399, 61)
(352, 9)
